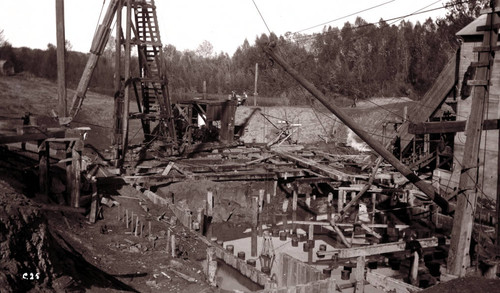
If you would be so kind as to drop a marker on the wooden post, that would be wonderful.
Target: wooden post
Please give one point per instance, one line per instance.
(118, 101)
(211, 266)
(384, 132)
(360, 274)
(168, 240)
(255, 219)
(61, 58)
(340, 200)
(498, 198)
(69, 168)
(311, 237)
(425, 187)
(76, 154)
(374, 201)
(268, 198)
(458, 257)
(94, 205)
(414, 270)
(261, 200)
(255, 84)
(126, 217)
(172, 245)
(204, 89)
(149, 228)
(127, 62)
(44, 166)
(275, 187)
(132, 223)
(294, 210)
(201, 219)
(210, 201)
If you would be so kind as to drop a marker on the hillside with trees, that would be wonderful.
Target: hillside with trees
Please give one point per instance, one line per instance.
(358, 60)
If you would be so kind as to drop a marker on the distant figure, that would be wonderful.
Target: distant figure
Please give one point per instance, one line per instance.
(354, 102)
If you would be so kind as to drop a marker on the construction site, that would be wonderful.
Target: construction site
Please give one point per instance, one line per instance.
(224, 195)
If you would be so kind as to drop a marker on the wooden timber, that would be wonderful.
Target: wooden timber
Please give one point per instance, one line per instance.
(389, 284)
(316, 167)
(59, 133)
(448, 126)
(376, 248)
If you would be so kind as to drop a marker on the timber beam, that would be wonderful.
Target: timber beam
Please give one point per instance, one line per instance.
(376, 249)
(448, 126)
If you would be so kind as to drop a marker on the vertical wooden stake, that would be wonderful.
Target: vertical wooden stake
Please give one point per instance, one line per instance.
(211, 266)
(360, 274)
(414, 270)
(172, 245)
(204, 89)
(149, 228)
(261, 199)
(268, 198)
(43, 167)
(340, 202)
(294, 200)
(311, 237)
(126, 217)
(255, 219)
(374, 201)
(210, 203)
(255, 85)
(132, 222)
(168, 240)
(275, 187)
(201, 220)
(136, 225)
(94, 205)
(76, 154)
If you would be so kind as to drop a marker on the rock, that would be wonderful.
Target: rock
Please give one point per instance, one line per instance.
(134, 249)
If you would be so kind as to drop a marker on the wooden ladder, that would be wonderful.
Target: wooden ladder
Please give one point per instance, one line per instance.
(154, 102)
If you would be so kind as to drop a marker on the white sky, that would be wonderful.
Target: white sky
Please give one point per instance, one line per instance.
(187, 23)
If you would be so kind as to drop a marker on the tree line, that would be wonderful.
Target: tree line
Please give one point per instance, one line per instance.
(358, 60)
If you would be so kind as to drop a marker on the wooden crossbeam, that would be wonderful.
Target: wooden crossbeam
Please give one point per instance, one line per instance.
(314, 166)
(448, 126)
(376, 248)
(31, 136)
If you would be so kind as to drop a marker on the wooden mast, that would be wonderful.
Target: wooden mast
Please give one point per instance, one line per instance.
(61, 56)
(458, 259)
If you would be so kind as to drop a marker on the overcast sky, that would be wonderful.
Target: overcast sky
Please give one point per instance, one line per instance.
(187, 23)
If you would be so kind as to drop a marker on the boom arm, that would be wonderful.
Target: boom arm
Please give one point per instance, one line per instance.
(98, 44)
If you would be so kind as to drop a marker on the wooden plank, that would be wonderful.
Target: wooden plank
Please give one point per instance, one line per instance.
(314, 166)
(389, 284)
(360, 274)
(449, 126)
(485, 28)
(485, 48)
(167, 169)
(377, 248)
(478, 82)
(31, 137)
